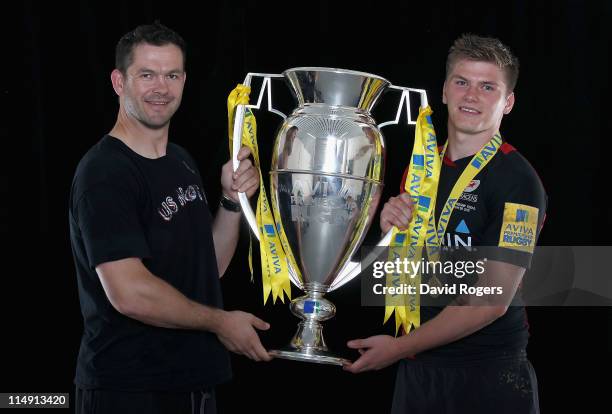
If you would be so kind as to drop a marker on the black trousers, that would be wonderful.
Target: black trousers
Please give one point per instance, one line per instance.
(96, 401)
(504, 385)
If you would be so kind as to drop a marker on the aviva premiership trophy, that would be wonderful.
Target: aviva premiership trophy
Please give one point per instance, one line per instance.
(326, 180)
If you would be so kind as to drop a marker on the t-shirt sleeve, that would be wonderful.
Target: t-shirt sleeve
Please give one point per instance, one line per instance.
(110, 224)
(516, 216)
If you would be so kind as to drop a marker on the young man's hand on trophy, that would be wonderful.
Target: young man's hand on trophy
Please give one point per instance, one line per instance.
(380, 351)
(396, 212)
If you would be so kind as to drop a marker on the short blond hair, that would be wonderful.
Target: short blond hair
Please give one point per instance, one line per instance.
(484, 49)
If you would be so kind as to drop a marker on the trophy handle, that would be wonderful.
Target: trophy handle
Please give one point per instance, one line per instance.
(405, 100)
(352, 269)
(237, 143)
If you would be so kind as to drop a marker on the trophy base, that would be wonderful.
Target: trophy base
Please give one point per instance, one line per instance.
(318, 357)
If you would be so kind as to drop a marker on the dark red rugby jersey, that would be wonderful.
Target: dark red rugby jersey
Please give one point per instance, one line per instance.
(504, 205)
(506, 183)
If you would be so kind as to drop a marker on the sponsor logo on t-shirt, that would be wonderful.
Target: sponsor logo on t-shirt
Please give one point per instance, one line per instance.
(460, 238)
(171, 205)
(518, 230)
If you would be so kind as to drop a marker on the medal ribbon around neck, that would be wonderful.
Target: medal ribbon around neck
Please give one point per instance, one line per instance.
(422, 185)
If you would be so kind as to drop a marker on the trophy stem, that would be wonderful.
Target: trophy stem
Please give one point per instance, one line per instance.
(308, 343)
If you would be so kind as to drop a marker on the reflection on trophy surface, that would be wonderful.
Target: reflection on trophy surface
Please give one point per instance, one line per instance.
(326, 180)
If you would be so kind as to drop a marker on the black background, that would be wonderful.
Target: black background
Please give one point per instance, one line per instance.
(63, 103)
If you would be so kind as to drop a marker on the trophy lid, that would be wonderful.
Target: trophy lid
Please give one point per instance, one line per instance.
(336, 87)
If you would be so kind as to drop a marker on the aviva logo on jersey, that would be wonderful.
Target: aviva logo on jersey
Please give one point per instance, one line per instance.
(519, 228)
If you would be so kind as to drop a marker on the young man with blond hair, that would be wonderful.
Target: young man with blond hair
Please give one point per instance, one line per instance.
(465, 357)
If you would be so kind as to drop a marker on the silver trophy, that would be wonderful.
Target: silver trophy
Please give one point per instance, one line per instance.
(326, 181)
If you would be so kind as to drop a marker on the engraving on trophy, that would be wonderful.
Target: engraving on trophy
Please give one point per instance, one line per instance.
(337, 207)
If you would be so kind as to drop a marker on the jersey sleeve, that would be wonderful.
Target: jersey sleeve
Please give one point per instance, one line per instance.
(110, 225)
(515, 218)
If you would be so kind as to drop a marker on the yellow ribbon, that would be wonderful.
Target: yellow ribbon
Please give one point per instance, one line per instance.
(477, 164)
(238, 96)
(274, 262)
(421, 184)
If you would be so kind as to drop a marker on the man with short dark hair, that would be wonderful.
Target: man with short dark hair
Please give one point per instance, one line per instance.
(148, 253)
(471, 358)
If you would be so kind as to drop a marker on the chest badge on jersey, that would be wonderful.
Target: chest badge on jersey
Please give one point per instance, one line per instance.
(518, 230)
(472, 186)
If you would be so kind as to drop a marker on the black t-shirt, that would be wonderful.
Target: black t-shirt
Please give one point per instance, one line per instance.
(494, 210)
(125, 205)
